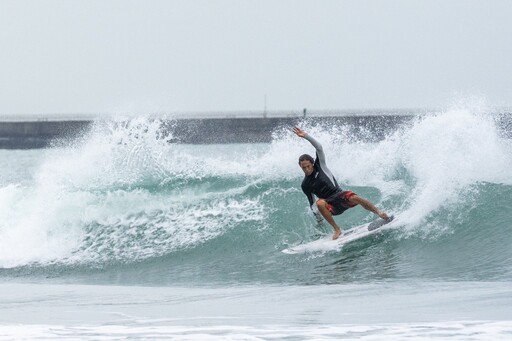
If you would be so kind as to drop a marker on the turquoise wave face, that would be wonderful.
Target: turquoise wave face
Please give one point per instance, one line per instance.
(125, 205)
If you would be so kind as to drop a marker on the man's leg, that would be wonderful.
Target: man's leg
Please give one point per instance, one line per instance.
(357, 200)
(322, 207)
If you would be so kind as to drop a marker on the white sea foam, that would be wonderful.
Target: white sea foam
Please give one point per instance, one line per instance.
(37, 225)
(432, 163)
(105, 200)
(89, 202)
(449, 153)
(84, 227)
(458, 330)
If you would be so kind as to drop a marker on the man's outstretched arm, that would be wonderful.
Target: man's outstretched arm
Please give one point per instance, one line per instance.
(319, 149)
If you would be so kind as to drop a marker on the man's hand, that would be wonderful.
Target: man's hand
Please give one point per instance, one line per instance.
(299, 132)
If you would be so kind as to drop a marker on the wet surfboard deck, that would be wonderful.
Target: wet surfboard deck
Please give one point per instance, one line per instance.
(327, 244)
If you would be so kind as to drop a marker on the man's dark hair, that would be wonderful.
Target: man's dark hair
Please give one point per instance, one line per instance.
(306, 157)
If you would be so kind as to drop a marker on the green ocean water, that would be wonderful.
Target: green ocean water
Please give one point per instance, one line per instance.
(124, 207)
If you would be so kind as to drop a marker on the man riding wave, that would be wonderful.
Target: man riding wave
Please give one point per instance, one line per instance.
(319, 181)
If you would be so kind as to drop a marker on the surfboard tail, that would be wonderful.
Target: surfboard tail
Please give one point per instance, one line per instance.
(378, 223)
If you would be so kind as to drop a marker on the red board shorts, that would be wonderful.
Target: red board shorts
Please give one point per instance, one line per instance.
(338, 203)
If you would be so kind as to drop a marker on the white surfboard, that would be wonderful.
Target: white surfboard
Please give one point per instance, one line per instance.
(327, 244)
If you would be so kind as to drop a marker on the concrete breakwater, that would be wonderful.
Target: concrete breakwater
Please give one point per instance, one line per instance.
(39, 134)
(42, 133)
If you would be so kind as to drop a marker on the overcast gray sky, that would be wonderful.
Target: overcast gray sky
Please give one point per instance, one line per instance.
(192, 55)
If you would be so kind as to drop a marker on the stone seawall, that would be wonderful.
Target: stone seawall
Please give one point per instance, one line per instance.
(253, 130)
(41, 134)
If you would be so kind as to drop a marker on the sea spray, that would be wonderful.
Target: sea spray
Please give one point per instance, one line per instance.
(126, 193)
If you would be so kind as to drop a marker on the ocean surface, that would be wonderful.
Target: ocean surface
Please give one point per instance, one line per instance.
(122, 234)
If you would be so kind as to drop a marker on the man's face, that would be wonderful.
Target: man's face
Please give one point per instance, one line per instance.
(307, 167)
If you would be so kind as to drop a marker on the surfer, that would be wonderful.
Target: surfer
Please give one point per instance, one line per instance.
(318, 180)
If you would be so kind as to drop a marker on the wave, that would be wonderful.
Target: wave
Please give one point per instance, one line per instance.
(126, 194)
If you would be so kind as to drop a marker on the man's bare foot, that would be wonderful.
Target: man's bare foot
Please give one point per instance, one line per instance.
(337, 234)
(383, 215)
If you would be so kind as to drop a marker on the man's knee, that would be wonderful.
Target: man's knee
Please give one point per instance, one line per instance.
(321, 203)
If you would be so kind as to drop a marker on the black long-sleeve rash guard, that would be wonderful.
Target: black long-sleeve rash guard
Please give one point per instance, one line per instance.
(321, 182)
